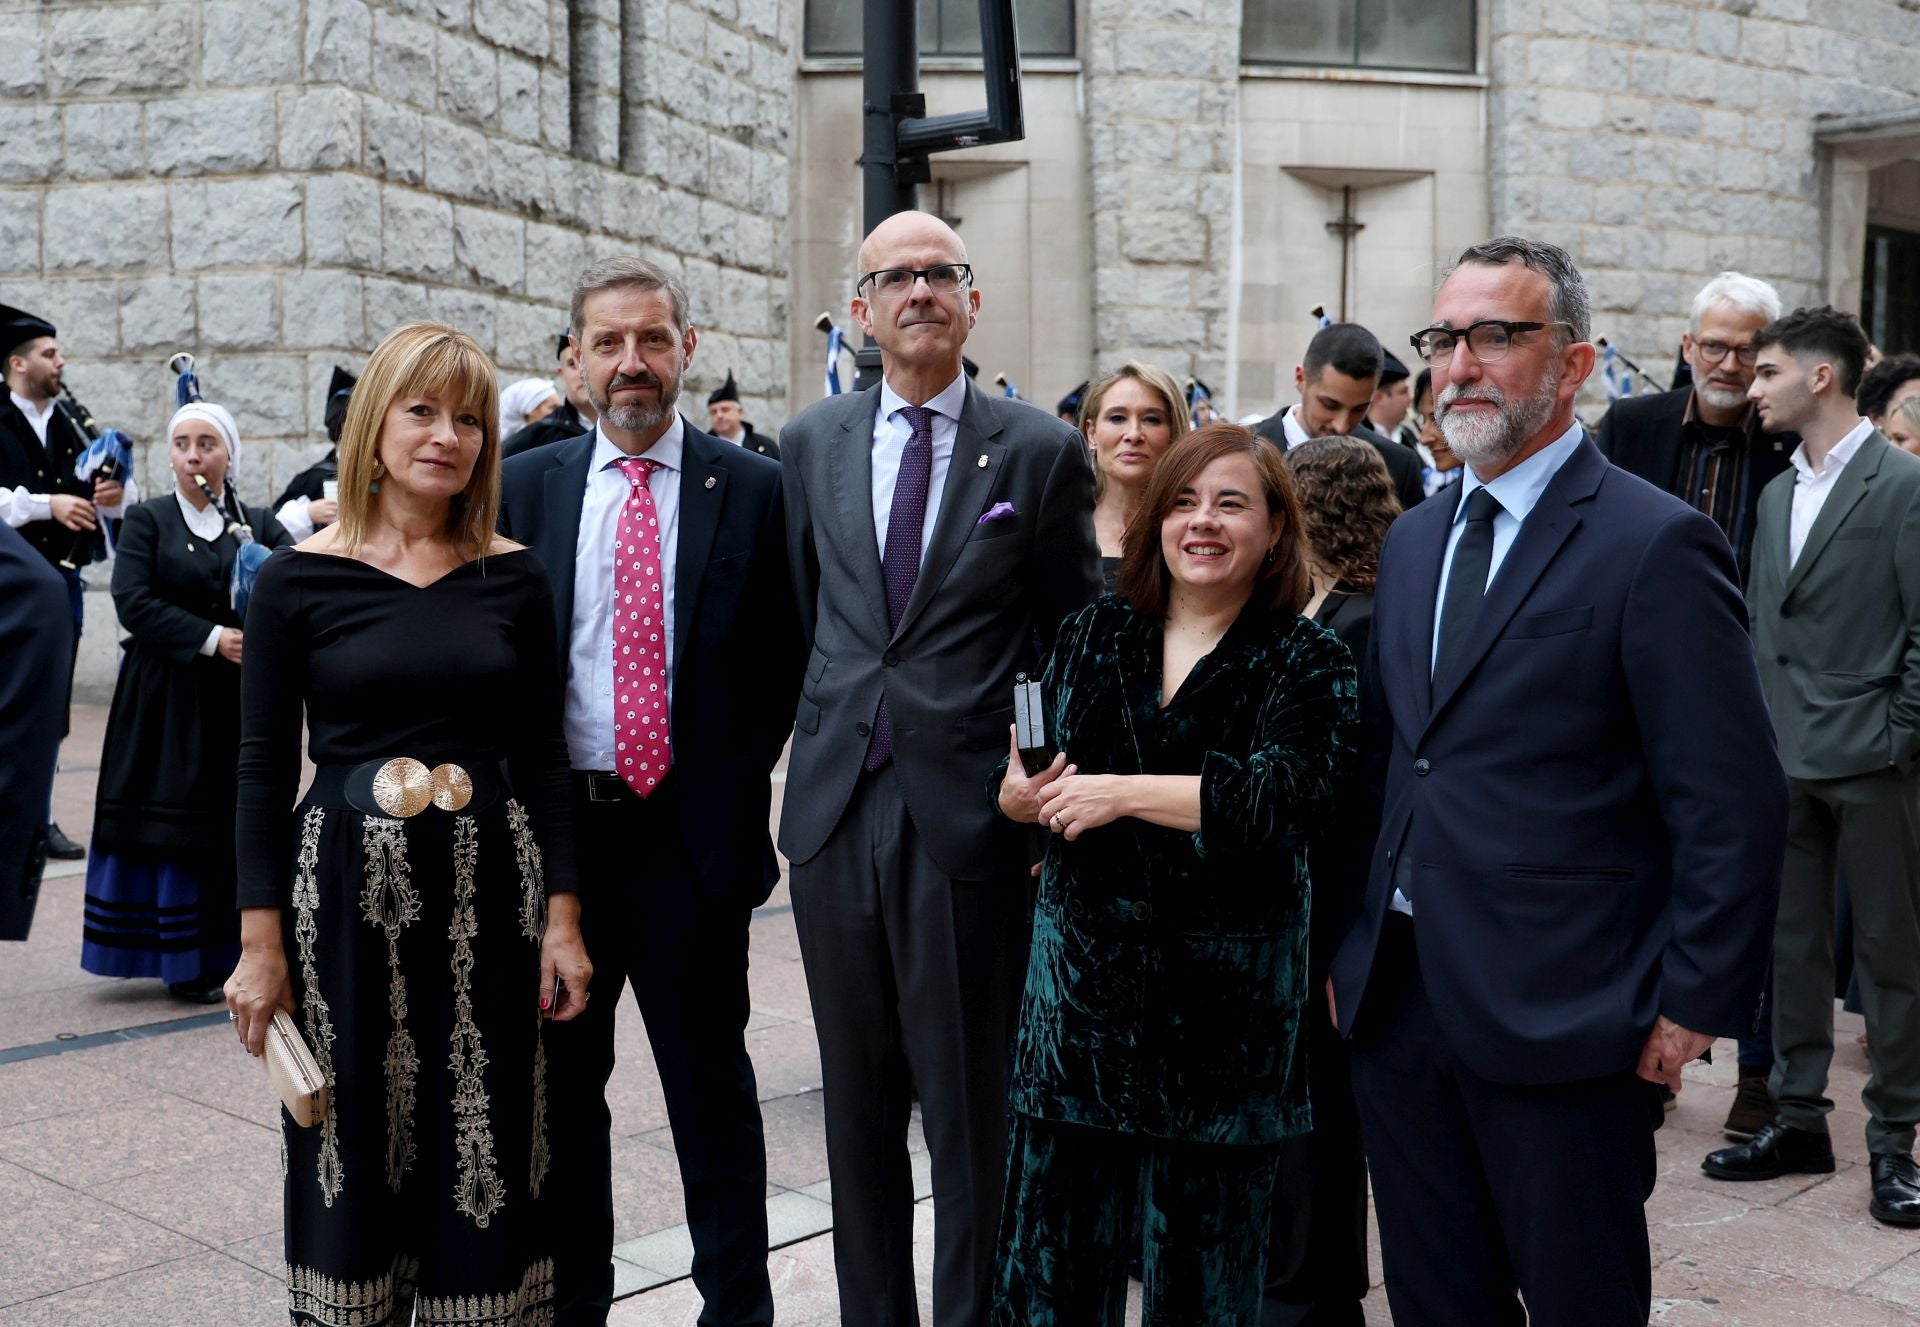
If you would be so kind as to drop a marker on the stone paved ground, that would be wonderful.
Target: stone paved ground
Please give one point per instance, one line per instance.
(139, 1177)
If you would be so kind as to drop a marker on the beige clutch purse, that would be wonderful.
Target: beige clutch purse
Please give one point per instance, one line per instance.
(294, 1072)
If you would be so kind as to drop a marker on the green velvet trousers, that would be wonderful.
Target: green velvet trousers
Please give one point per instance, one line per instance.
(1067, 1216)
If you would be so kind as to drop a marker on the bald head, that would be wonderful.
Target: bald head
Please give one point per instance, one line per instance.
(915, 232)
(920, 330)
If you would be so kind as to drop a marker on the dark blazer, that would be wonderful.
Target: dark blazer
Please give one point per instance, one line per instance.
(1168, 971)
(1590, 808)
(36, 640)
(986, 606)
(1838, 633)
(562, 423)
(1403, 464)
(736, 647)
(24, 463)
(1641, 435)
(760, 442)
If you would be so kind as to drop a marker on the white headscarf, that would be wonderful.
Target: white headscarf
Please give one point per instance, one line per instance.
(520, 400)
(222, 421)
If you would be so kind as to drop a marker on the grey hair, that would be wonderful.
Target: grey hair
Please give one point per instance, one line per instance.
(1749, 294)
(628, 270)
(1568, 301)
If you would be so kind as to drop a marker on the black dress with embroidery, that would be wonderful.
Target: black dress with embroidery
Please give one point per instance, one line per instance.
(413, 943)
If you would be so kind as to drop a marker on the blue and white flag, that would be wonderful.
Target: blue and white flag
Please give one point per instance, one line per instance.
(834, 340)
(1618, 377)
(1319, 312)
(1007, 389)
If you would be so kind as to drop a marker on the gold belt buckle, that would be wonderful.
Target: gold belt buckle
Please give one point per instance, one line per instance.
(404, 787)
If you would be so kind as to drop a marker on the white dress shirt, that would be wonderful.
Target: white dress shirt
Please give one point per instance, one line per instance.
(1811, 487)
(1518, 492)
(294, 520)
(589, 718)
(1291, 426)
(209, 523)
(18, 506)
(890, 435)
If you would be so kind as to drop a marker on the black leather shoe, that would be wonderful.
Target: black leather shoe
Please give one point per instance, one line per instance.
(60, 847)
(1776, 1150)
(1896, 1191)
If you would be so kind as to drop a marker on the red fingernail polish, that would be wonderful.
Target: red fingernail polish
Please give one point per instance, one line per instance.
(543, 1002)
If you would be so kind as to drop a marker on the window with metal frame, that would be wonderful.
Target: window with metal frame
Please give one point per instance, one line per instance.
(947, 27)
(1421, 35)
(1890, 292)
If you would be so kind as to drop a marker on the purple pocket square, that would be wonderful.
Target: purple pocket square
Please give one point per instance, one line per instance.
(997, 512)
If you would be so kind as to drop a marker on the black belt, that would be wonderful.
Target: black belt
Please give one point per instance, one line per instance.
(403, 787)
(600, 785)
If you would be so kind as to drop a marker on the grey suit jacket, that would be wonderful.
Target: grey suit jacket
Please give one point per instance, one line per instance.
(987, 603)
(1838, 633)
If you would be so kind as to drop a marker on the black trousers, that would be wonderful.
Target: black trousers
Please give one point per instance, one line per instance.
(1485, 1188)
(1317, 1249)
(913, 976)
(649, 920)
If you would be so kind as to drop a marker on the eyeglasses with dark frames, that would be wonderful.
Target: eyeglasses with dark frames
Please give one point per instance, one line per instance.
(1715, 351)
(1489, 339)
(895, 282)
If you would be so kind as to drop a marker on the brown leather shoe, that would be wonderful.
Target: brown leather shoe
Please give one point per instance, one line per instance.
(1752, 1107)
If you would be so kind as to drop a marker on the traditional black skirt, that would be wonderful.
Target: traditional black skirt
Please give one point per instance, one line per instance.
(414, 947)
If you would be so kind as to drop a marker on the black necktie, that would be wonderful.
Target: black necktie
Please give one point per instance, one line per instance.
(1466, 582)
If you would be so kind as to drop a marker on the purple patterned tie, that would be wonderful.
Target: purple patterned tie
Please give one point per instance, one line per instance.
(901, 562)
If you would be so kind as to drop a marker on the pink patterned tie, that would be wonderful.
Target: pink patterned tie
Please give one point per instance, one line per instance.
(639, 637)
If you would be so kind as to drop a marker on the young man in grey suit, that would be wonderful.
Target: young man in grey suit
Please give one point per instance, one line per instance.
(938, 536)
(1835, 602)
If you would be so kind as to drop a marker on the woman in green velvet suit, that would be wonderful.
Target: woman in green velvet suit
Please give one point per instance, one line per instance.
(1200, 721)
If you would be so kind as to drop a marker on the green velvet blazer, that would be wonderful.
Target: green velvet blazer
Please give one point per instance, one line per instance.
(1169, 970)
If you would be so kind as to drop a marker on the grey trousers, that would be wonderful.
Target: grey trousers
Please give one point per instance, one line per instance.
(1868, 828)
(914, 977)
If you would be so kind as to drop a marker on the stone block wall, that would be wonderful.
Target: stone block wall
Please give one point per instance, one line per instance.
(274, 184)
(1662, 141)
(1162, 107)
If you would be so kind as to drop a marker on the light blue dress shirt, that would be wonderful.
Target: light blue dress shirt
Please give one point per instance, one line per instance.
(589, 717)
(890, 434)
(1518, 493)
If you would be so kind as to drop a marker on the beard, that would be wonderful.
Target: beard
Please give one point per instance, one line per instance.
(637, 418)
(1481, 440)
(1720, 398)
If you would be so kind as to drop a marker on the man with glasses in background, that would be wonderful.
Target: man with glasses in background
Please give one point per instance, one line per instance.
(1582, 825)
(1703, 443)
(938, 537)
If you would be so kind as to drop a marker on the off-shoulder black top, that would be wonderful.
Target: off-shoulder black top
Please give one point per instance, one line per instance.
(463, 668)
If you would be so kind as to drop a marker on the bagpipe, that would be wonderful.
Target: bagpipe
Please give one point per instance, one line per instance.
(108, 456)
(252, 554)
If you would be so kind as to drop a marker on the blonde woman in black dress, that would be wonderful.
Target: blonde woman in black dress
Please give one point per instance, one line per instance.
(417, 909)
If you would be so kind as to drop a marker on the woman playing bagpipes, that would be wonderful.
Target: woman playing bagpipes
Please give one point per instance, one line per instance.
(160, 878)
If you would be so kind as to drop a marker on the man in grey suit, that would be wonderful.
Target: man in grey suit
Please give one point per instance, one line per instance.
(938, 536)
(1835, 601)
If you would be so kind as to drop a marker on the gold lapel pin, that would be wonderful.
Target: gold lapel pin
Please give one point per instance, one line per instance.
(983, 460)
(711, 481)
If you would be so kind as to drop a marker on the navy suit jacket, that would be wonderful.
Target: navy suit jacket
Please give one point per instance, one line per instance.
(36, 640)
(737, 651)
(1591, 805)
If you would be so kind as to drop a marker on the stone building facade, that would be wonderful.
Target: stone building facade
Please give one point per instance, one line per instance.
(1178, 184)
(274, 184)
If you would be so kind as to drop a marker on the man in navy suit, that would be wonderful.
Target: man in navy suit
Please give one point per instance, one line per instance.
(1582, 825)
(667, 549)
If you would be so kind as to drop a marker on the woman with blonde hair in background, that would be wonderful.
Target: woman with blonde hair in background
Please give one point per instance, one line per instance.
(1129, 419)
(417, 911)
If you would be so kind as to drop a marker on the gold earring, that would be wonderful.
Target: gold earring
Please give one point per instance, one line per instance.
(378, 468)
